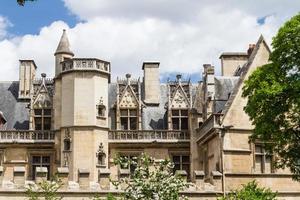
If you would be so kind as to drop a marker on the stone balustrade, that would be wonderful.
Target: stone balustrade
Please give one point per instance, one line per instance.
(15, 136)
(85, 64)
(211, 123)
(149, 135)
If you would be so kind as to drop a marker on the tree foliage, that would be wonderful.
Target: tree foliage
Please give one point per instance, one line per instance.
(46, 190)
(151, 180)
(273, 92)
(250, 191)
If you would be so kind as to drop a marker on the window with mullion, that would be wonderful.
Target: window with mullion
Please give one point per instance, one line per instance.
(181, 162)
(42, 119)
(40, 161)
(179, 119)
(129, 119)
(262, 160)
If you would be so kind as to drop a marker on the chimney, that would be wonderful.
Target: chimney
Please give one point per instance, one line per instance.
(250, 49)
(27, 71)
(151, 82)
(231, 61)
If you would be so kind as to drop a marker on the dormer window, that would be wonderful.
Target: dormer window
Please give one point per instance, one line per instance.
(42, 119)
(100, 108)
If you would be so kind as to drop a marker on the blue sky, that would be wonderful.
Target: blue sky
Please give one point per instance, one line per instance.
(34, 15)
(181, 34)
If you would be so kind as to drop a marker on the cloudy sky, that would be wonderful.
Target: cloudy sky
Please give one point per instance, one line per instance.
(181, 34)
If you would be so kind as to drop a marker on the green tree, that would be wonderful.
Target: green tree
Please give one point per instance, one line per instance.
(151, 180)
(250, 191)
(273, 92)
(46, 190)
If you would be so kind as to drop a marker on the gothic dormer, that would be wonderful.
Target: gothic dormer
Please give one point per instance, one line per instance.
(41, 104)
(180, 96)
(179, 103)
(128, 105)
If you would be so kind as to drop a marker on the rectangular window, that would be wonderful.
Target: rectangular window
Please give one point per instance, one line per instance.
(181, 162)
(131, 166)
(38, 123)
(42, 119)
(263, 160)
(40, 161)
(129, 119)
(47, 123)
(180, 119)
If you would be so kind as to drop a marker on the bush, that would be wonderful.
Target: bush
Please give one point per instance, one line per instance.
(250, 191)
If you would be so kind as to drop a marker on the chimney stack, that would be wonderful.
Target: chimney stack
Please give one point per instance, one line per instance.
(27, 71)
(250, 49)
(151, 83)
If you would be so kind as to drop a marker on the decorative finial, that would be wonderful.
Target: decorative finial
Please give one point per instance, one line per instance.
(128, 76)
(178, 76)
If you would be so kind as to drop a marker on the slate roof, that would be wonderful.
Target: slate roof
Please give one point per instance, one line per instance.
(14, 111)
(223, 88)
(64, 45)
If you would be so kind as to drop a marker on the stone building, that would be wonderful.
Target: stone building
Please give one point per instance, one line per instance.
(74, 124)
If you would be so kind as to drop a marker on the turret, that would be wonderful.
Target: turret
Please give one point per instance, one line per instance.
(62, 53)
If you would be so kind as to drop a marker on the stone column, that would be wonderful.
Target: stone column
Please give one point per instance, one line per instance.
(19, 177)
(199, 179)
(63, 176)
(217, 180)
(41, 174)
(84, 178)
(104, 179)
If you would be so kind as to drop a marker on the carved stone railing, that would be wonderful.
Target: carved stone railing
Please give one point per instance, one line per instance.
(15, 136)
(211, 123)
(85, 64)
(149, 135)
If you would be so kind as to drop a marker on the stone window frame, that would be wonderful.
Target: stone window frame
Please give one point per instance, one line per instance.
(181, 163)
(129, 155)
(42, 116)
(263, 155)
(128, 118)
(180, 117)
(32, 164)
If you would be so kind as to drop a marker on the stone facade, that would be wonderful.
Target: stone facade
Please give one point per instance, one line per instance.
(74, 124)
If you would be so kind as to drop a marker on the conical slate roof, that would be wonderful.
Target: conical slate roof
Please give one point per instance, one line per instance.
(64, 45)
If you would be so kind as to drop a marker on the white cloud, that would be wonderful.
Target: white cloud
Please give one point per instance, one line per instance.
(4, 24)
(181, 36)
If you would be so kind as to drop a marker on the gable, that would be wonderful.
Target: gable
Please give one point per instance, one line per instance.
(234, 114)
(179, 99)
(128, 99)
(42, 100)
